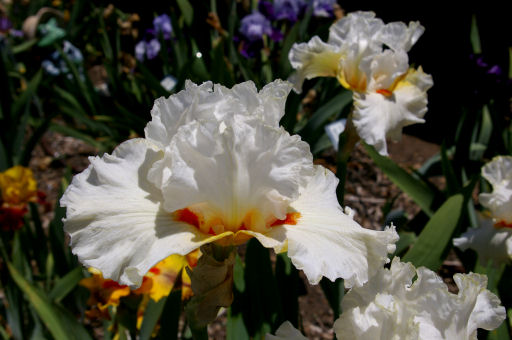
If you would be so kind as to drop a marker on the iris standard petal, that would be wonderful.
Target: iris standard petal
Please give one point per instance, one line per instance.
(313, 59)
(247, 169)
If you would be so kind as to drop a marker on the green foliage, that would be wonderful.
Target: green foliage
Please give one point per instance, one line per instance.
(39, 277)
(414, 187)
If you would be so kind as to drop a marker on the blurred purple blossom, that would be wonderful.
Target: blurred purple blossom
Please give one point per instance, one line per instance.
(487, 81)
(288, 9)
(149, 49)
(485, 67)
(55, 64)
(495, 70)
(323, 8)
(162, 24)
(140, 50)
(16, 33)
(5, 24)
(254, 26)
(282, 9)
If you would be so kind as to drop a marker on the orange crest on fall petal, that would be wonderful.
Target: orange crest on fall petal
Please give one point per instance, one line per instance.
(188, 216)
(503, 224)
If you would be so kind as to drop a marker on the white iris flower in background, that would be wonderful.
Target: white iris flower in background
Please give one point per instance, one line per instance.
(414, 304)
(391, 306)
(215, 166)
(286, 332)
(492, 240)
(369, 58)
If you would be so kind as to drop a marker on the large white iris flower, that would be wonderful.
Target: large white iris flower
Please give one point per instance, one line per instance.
(391, 306)
(492, 240)
(216, 167)
(369, 58)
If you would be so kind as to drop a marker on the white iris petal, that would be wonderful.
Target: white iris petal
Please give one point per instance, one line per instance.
(115, 219)
(286, 332)
(490, 242)
(216, 167)
(391, 306)
(369, 58)
(492, 239)
(498, 172)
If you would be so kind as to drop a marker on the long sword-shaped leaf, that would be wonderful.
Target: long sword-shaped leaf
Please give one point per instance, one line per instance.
(169, 321)
(66, 284)
(43, 307)
(415, 188)
(151, 315)
(432, 242)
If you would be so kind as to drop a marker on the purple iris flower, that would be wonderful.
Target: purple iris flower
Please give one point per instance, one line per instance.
(16, 33)
(254, 26)
(496, 70)
(55, 63)
(484, 66)
(323, 8)
(152, 48)
(5, 24)
(149, 49)
(288, 9)
(140, 50)
(162, 24)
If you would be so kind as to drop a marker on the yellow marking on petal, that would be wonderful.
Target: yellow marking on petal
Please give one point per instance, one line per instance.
(355, 81)
(164, 275)
(322, 65)
(104, 292)
(186, 283)
(410, 78)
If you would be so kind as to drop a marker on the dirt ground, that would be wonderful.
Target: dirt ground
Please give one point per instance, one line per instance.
(367, 191)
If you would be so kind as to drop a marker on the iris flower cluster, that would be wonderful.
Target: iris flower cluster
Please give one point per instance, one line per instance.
(265, 21)
(56, 65)
(150, 46)
(215, 169)
(403, 302)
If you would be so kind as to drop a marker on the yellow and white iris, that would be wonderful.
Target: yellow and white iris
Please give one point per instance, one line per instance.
(369, 58)
(216, 167)
(492, 240)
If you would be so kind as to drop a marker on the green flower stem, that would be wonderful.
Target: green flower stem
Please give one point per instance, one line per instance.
(347, 141)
